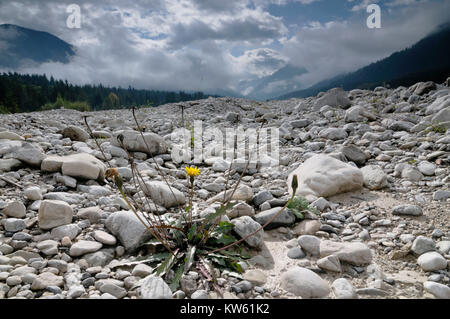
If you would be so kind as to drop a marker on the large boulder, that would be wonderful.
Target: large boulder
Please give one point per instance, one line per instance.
(133, 141)
(54, 213)
(441, 116)
(128, 229)
(304, 283)
(83, 166)
(335, 97)
(323, 176)
(80, 165)
(6, 135)
(161, 194)
(439, 104)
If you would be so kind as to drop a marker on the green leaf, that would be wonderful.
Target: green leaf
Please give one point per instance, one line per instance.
(176, 280)
(297, 214)
(166, 265)
(222, 210)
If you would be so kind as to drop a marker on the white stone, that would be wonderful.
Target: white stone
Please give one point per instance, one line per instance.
(432, 261)
(374, 177)
(305, 283)
(440, 291)
(323, 176)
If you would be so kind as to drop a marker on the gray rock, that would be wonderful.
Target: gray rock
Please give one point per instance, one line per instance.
(75, 133)
(432, 261)
(47, 279)
(286, 218)
(441, 195)
(310, 244)
(343, 289)
(142, 270)
(162, 195)
(335, 97)
(151, 144)
(296, 253)
(330, 263)
(411, 210)
(426, 168)
(104, 237)
(305, 283)
(14, 224)
(128, 229)
(33, 193)
(84, 247)
(30, 154)
(422, 245)
(323, 176)
(54, 213)
(48, 247)
(440, 291)
(114, 290)
(443, 247)
(15, 209)
(262, 197)
(94, 214)
(354, 154)
(374, 177)
(244, 226)
(70, 230)
(200, 294)
(155, 288)
(355, 253)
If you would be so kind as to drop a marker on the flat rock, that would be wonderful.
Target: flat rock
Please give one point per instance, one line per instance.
(409, 210)
(355, 253)
(84, 247)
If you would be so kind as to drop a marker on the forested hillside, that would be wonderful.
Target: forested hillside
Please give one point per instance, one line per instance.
(27, 93)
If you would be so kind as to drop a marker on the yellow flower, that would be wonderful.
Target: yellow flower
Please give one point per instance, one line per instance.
(192, 171)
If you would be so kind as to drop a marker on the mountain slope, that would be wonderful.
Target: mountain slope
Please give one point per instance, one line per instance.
(20, 45)
(427, 60)
(280, 82)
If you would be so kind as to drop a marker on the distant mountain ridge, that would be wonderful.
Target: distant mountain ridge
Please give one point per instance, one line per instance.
(19, 45)
(427, 60)
(280, 82)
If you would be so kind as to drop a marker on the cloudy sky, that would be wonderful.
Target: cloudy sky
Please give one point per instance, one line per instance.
(212, 45)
